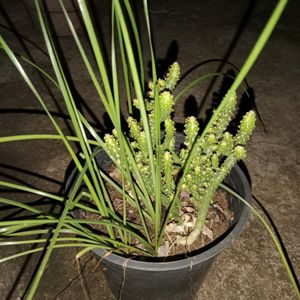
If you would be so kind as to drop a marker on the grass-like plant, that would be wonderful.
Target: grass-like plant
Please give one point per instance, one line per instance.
(152, 172)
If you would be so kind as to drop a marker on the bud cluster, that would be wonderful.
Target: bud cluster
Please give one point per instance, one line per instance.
(214, 153)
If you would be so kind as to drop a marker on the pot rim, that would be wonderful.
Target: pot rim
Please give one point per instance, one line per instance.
(213, 251)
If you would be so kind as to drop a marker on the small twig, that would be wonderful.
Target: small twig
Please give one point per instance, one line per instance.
(124, 276)
(101, 259)
(190, 279)
(172, 244)
(227, 216)
(82, 281)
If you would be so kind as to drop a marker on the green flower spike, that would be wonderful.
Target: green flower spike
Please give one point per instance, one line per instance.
(172, 76)
(240, 152)
(112, 146)
(246, 127)
(161, 84)
(169, 142)
(166, 105)
(134, 128)
(168, 171)
(151, 90)
(135, 103)
(224, 116)
(226, 145)
(191, 131)
(142, 141)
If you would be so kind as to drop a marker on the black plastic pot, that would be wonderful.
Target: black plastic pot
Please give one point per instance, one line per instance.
(131, 279)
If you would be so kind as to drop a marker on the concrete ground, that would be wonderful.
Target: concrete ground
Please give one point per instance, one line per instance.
(191, 32)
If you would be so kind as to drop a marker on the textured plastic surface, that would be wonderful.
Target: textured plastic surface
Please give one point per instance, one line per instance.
(131, 279)
(180, 279)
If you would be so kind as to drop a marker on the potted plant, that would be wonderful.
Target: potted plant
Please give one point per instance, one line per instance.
(139, 191)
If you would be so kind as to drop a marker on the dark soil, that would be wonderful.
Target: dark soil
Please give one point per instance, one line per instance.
(218, 220)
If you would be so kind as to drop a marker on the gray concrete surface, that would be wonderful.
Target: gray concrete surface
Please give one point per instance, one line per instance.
(197, 31)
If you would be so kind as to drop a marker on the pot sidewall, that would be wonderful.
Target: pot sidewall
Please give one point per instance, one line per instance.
(180, 279)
